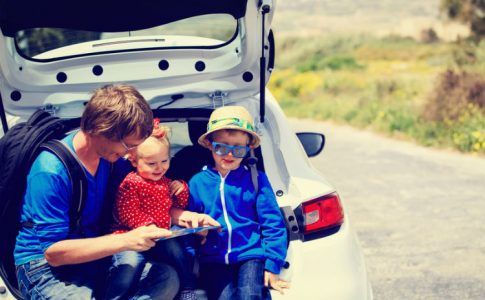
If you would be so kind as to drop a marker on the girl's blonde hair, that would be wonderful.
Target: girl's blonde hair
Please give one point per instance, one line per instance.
(161, 133)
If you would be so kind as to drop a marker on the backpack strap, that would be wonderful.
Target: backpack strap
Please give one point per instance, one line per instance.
(78, 178)
(252, 160)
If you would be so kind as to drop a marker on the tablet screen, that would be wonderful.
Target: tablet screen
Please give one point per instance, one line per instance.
(185, 231)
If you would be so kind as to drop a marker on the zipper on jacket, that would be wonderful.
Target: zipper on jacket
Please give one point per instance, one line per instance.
(226, 218)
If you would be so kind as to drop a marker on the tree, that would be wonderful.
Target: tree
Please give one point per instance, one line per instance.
(471, 12)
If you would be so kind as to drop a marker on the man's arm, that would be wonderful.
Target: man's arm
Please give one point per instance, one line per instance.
(76, 251)
(46, 196)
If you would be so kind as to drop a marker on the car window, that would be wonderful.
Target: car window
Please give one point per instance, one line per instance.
(207, 30)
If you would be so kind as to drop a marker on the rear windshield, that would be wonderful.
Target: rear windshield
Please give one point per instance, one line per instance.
(49, 43)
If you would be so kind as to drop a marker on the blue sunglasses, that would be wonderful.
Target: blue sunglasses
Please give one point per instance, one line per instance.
(223, 149)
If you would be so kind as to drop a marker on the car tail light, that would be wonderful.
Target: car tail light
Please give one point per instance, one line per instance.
(322, 213)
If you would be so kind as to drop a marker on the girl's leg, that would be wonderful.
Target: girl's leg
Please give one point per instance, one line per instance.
(124, 274)
(158, 281)
(250, 281)
(171, 252)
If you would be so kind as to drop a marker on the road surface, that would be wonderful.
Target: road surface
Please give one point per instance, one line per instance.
(419, 212)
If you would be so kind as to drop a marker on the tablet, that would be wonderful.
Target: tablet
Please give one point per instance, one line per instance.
(185, 231)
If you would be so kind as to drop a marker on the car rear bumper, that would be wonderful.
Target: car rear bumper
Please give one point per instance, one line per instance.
(331, 267)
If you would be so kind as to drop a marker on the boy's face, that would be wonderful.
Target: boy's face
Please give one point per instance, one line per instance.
(228, 162)
(153, 159)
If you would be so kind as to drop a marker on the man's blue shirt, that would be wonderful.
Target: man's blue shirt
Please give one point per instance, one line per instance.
(47, 202)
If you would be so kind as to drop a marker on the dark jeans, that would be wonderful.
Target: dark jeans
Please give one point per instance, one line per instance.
(242, 281)
(127, 267)
(38, 280)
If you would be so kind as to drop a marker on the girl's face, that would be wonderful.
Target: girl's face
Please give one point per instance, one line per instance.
(228, 162)
(153, 159)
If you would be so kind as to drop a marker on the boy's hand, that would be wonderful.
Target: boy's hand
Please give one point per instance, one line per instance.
(273, 281)
(176, 187)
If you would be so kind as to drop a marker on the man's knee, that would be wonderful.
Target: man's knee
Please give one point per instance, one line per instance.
(128, 258)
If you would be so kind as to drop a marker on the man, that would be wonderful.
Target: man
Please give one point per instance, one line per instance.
(54, 263)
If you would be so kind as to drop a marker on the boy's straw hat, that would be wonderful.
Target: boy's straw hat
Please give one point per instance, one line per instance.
(230, 117)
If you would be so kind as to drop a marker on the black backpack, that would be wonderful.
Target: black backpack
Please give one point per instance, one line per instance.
(18, 149)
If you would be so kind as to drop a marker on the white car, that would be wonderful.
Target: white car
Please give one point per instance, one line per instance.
(186, 57)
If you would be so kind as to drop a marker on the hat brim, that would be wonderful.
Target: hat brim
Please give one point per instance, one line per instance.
(255, 140)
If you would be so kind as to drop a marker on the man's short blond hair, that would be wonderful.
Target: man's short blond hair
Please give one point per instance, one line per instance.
(117, 111)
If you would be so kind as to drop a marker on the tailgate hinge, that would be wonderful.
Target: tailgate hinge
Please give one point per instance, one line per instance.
(218, 96)
(50, 108)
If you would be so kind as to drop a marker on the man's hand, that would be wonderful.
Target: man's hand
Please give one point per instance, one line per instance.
(176, 187)
(143, 238)
(273, 281)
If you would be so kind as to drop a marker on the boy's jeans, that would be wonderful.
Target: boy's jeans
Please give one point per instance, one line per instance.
(127, 267)
(38, 280)
(241, 281)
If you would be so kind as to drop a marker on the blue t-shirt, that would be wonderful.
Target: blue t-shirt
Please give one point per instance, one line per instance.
(46, 204)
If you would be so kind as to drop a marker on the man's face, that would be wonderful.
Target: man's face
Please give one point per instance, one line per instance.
(228, 162)
(112, 150)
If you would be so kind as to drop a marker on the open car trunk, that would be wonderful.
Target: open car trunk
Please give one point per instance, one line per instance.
(178, 70)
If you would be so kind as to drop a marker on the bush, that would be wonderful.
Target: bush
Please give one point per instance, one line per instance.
(452, 95)
(428, 36)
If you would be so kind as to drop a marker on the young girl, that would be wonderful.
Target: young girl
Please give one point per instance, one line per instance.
(145, 198)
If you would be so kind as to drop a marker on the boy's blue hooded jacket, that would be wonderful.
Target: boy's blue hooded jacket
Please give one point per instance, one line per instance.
(252, 225)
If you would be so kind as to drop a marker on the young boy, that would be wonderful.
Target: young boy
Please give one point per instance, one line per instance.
(248, 254)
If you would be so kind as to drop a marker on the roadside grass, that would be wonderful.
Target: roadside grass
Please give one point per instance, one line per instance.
(386, 85)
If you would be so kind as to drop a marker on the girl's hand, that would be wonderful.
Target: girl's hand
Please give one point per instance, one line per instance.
(176, 187)
(273, 281)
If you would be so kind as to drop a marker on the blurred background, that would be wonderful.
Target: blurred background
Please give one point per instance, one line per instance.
(381, 79)
(411, 69)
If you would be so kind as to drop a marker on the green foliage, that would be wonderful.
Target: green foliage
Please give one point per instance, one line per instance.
(395, 91)
(334, 62)
(297, 50)
(454, 95)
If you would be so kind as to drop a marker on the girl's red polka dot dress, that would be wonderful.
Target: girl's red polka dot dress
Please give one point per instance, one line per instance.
(142, 202)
